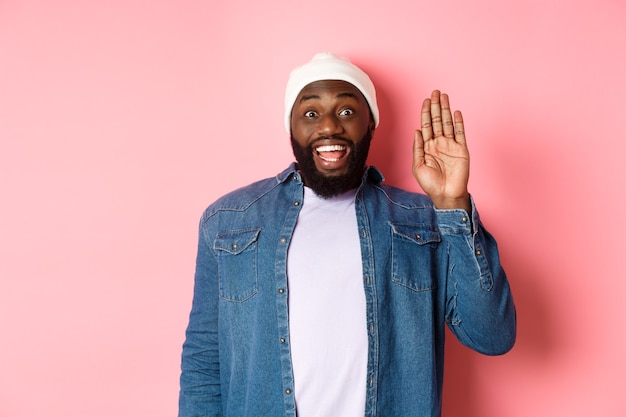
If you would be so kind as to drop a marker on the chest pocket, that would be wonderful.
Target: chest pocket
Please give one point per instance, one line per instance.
(413, 251)
(237, 264)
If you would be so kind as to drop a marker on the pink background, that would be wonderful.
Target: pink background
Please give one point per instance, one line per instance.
(121, 120)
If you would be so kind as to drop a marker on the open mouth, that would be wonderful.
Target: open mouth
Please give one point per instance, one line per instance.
(331, 153)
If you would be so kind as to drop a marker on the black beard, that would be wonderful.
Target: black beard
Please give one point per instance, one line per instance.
(330, 186)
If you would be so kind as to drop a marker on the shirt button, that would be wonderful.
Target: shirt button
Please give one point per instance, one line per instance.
(464, 219)
(283, 240)
(282, 340)
(235, 246)
(287, 391)
(417, 236)
(296, 203)
(478, 252)
(281, 290)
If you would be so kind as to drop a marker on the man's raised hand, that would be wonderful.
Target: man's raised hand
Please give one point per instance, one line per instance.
(440, 154)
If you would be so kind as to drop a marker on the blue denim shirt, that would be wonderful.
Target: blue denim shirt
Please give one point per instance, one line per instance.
(422, 268)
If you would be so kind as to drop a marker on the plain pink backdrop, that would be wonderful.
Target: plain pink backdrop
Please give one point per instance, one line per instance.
(121, 120)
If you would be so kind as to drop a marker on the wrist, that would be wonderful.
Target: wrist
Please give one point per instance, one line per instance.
(462, 203)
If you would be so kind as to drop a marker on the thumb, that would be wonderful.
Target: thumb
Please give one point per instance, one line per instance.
(418, 149)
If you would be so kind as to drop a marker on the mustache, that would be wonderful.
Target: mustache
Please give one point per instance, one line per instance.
(331, 137)
(339, 137)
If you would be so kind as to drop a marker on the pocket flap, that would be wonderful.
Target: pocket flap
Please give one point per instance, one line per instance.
(236, 241)
(418, 233)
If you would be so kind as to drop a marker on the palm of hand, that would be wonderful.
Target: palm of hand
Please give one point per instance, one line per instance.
(441, 157)
(444, 170)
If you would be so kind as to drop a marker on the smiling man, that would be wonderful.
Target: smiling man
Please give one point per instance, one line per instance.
(331, 130)
(323, 292)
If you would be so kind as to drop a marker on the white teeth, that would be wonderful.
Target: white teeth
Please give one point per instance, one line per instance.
(330, 148)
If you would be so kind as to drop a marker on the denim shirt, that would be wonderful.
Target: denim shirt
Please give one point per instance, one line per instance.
(422, 268)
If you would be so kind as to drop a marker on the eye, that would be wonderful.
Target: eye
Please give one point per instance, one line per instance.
(309, 114)
(346, 112)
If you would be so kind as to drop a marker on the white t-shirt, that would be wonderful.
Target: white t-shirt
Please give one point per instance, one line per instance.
(327, 316)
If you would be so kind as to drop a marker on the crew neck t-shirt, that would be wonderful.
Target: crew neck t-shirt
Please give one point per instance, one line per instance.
(327, 312)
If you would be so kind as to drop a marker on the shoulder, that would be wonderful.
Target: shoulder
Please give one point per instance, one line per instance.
(403, 198)
(400, 197)
(242, 198)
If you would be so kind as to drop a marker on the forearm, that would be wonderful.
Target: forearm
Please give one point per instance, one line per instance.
(200, 390)
(461, 203)
(479, 306)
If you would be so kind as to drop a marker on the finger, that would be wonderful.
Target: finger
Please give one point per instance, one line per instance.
(446, 117)
(459, 132)
(426, 122)
(418, 149)
(435, 112)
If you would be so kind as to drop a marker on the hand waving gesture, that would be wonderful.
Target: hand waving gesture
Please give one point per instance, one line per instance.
(440, 155)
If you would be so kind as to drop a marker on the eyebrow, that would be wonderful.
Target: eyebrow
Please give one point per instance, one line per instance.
(340, 95)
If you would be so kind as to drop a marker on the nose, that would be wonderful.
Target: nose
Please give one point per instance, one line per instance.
(329, 125)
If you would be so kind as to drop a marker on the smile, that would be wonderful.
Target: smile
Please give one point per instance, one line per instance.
(331, 153)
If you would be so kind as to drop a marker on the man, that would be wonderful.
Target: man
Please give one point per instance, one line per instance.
(323, 292)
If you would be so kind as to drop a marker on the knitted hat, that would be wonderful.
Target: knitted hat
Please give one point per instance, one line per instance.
(327, 66)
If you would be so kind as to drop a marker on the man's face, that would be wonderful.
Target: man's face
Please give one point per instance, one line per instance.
(331, 129)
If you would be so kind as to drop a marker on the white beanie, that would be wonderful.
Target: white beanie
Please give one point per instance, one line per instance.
(327, 66)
